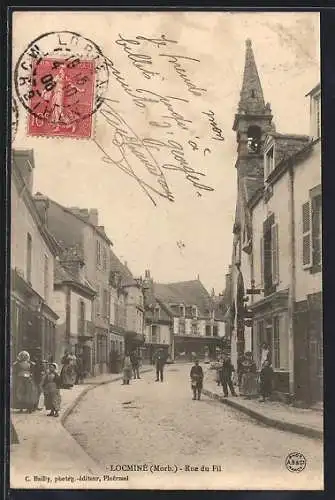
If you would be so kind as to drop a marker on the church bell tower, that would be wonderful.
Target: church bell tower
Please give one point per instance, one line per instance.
(253, 120)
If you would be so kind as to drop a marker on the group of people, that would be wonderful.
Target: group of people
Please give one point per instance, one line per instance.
(250, 383)
(132, 361)
(131, 367)
(31, 376)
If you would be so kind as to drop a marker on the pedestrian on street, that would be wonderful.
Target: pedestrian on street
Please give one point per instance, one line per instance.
(218, 369)
(266, 381)
(197, 377)
(135, 363)
(249, 377)
(25, 392)
(38, 370)
(79, 369)
(51, 388)
(127, 369)
(160, 362)
(68, 372)
(227, 370)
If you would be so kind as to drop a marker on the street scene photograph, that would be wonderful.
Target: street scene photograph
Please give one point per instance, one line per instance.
(166, 251)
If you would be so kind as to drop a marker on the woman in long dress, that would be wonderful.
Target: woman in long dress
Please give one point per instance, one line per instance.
(51, 388)
(127, 370)
(25, 391)
(249, 378)
(68, 372)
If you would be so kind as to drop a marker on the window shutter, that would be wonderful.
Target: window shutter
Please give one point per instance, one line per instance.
(306, 235)
(274, 254)
(262, 261)
(316, 231)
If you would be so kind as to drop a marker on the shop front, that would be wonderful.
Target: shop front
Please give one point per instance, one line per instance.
(188, 346)
(270, 326)
(32, 321)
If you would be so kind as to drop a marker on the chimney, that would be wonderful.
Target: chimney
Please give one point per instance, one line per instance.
(24, 161)
(93, 216)
(42, 205)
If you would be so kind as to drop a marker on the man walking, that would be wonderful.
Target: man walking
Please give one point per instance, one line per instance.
(226, 372)
(197, 377)
(160, 362)
(135, 364)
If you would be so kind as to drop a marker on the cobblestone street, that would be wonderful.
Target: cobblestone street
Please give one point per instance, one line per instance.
(157, 423)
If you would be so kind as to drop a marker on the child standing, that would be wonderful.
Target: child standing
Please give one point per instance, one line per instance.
(51, 388)
(266, 378)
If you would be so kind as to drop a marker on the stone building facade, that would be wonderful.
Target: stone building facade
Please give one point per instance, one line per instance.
(276, 265)
(33, 252)
(78, 232)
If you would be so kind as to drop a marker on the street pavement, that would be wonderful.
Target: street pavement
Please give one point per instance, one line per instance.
(158, 426)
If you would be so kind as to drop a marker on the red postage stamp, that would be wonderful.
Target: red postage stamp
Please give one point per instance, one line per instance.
(63, 98)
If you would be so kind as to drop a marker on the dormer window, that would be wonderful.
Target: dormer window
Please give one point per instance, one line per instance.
(182, 310)
(269, 161)
(194, 312)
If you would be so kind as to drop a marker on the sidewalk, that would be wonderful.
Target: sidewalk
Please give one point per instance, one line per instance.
(45, 446)
(307, 422)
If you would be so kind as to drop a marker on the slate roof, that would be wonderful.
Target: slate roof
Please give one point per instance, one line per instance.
(286, 145)
(184, 292)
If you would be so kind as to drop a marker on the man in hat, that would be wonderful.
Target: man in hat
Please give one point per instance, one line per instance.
(197, 377)
(226, 372)
(160, 362)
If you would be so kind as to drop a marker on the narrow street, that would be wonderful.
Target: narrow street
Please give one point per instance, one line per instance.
(157, 423)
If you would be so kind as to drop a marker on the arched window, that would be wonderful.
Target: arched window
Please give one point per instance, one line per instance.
(254, 139)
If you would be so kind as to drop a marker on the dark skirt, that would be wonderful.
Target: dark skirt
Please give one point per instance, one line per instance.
(52, 397)
(25, 393)
(68, 376)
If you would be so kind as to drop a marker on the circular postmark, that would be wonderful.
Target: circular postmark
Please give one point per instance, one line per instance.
(295, 462)
(15, 118)
(61, 78)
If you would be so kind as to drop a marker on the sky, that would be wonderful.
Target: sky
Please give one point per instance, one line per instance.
(192, 235)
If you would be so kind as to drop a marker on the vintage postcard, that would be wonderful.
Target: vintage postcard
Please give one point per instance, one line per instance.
(166, 240)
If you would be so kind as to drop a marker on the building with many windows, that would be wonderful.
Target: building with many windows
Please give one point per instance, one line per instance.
(183, 318)
(73, 299)
(276, 267)
(33, 252)
(127, 309)
(78, 232)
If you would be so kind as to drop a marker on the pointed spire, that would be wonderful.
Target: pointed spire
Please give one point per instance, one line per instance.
(251, 96)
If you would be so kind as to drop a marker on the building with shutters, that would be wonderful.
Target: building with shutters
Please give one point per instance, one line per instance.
(78, 232)
(33, 253)
(183, 318)
(73, 298)
(276, 267)
(126, 309)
